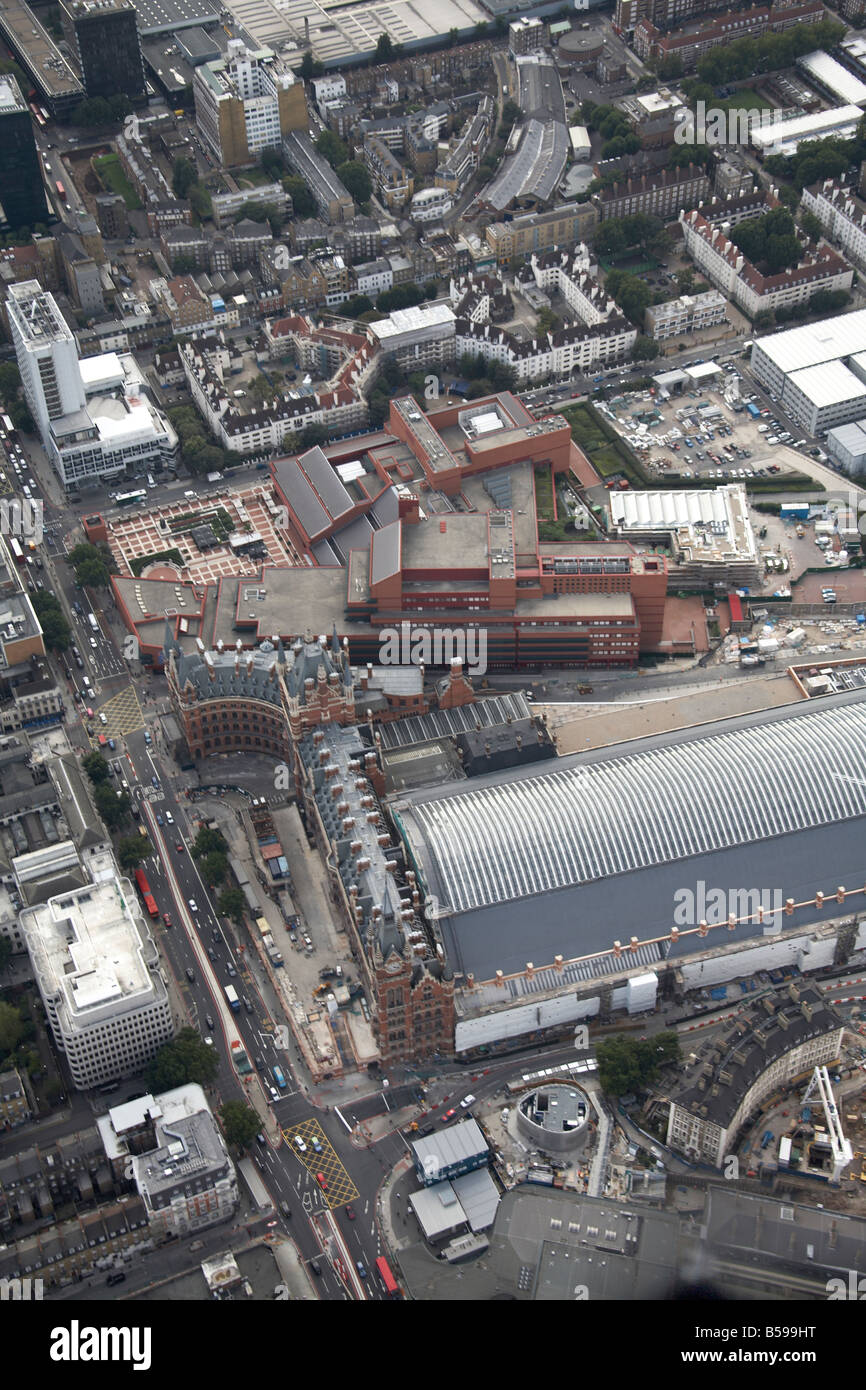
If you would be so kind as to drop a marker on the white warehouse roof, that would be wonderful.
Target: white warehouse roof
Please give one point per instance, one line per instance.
(829, 383)
(842, 336)
(851, 438)
(702, 369)
(831, 74)
(652, 510)
(812, 127)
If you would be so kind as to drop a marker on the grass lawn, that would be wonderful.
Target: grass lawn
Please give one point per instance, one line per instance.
(252, 178)
(746, 100)
(109, 170)
(635, 262)
(543, 494)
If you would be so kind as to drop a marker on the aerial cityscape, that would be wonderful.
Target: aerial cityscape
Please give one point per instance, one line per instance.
(432, 656)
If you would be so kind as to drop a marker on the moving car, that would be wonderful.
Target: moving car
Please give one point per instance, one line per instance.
(449, 1116)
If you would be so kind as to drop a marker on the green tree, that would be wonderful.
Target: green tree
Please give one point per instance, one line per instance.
(546, 321)
(200, 201)
(644, 350)
(332, 148)
(231, 903)
(310, 67)
(303, 202)
(132, 850)
(113, 809)
(55, 629)
(511, 112)
(273, 163)
(314, 434)
(96, 768)
(92, 573)
(240, 1123)
(384, 49)
(213, 869)
(12, 1028)
(186, 1059)
(208, 841)
(355, 178)
(609, 238)
(810, 225)
(620, 146)
(628, 1064)
(183, 175)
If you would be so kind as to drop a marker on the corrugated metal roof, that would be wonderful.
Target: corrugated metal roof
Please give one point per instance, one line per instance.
(537, 833)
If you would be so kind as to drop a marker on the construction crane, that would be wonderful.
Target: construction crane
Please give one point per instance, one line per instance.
(841, 1147)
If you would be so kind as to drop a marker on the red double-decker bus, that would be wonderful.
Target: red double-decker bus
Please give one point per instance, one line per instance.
(147, 897)
(386, 1278)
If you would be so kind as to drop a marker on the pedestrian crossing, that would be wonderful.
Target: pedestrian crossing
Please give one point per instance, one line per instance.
(123, 713)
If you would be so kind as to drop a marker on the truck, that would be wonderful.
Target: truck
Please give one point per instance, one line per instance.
(258, 1191)
(240, 1059)
(232, 997)
(767, 1139)
(753, 410)
(94, 625)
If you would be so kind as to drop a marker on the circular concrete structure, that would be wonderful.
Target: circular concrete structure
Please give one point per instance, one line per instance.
(555, 1118)
(580, 48)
